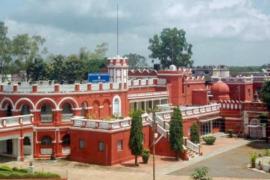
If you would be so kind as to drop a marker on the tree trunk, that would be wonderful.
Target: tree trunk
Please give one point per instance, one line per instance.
(136, 161)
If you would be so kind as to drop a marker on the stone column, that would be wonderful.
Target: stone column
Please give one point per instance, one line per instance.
(20, 149)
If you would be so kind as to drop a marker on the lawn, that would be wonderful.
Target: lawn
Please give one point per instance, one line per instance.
(7, 172)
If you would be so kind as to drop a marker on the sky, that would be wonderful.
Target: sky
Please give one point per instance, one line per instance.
(230, 32)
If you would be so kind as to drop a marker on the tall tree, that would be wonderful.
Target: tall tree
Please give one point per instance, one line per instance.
(194, 133)
(171, 47)
(136, 61)
(176, 132)
(136, 135)
(265, 93)
(25, 49)
(57, 68)
(5, 56)
(73, 69)
(37, 70)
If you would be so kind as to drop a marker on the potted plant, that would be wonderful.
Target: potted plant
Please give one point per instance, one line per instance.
(145, 155)
(209, 140)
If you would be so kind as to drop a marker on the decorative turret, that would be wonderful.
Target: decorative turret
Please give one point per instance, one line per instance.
(118, 69)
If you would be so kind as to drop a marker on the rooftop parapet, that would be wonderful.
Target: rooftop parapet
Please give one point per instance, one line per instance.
(61, 88)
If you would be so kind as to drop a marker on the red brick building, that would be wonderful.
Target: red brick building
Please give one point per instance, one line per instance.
(89, 122)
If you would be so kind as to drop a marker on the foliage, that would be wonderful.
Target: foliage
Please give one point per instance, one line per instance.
(209, 140)
(194, 133)
(136, 61)
(253, 158)
(171, 47)
(176, 132)
(37, 70)
(265, 93)
(136, 135)
(145, 155)
(267, 152)
(19, 173)
(200, 174)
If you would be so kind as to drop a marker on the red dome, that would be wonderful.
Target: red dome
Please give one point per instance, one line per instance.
(220, 90)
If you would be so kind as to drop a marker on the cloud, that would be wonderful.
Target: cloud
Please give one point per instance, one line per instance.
(68, 25)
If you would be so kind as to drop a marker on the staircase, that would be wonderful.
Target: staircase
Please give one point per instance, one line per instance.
(162, 123)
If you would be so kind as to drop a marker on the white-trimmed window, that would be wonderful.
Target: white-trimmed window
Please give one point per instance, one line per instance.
(116, 106)
(101, 146)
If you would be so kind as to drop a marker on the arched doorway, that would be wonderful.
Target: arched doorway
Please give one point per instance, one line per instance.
(27, 146)
(46, 145)
(66, 144)
(25, 110)
(67, 112)
(117, 106)
(46, 113)
(9, 110)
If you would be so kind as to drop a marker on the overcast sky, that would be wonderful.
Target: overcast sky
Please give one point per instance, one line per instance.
(232, 32)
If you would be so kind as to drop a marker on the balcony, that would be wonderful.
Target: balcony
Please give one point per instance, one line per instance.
(15, 121)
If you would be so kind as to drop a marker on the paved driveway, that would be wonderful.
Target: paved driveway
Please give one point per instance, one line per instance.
(230, 164)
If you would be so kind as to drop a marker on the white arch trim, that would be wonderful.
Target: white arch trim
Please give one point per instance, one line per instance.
(49, 99)
(69, 98)
(25, 99)
(8, 99)
(114, 108)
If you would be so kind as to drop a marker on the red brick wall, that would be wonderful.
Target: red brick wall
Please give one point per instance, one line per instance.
(199, 97)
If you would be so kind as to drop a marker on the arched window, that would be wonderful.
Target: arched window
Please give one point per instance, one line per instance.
(116, 106)
(9, 110)
(66, 140)
(46, 113)
(67, 112)
(46, 140)
(26, 141)
(25, 110)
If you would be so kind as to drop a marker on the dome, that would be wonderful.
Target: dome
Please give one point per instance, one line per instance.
(173, 67)
(220, 91)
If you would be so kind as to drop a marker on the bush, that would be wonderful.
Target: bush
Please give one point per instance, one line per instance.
(267, 152)
(194, 133)
(253, 158)
(145, 155)
(200, 174)
(5, 168)
(209, 140)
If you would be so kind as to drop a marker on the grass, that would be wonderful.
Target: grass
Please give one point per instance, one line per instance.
(7, 172)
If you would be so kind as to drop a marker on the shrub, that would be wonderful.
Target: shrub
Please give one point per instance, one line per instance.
(5, 168)
(194, 133)
(253, 158)
(200, 174)
(267, 152)
(145, 155)
(209, 140)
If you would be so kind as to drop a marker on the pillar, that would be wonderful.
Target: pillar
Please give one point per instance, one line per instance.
(57, 117)
(57, 145)
(21, 149)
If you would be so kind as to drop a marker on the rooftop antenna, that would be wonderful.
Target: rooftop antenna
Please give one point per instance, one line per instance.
(117, 33)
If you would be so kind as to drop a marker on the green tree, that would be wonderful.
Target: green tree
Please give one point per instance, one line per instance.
(73, 69)
(37, 70)
(136, 61)
(57, 68)
(25, 49)
(194, 133)
(176, 132)
(265, 93)
(171, 47)
(136, 135)
(5, 55)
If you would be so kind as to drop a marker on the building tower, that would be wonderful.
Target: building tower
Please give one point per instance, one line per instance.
(118, 69)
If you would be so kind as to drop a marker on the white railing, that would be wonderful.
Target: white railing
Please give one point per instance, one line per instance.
(147, 95)
(102, 124)
(193, 147)
(199, 110)
(67, 116)
(12, 121)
